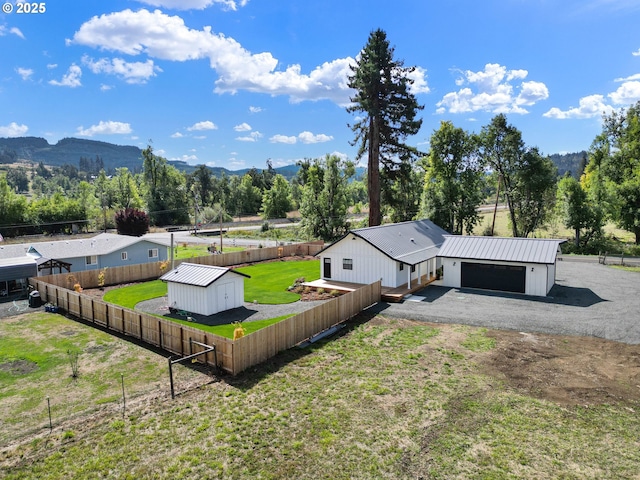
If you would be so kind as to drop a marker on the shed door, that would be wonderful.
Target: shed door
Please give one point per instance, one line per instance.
(505, 278)
(226, 296)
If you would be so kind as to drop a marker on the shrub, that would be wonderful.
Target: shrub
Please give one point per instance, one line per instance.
(132, 221)
(239, 331)
(334, 293)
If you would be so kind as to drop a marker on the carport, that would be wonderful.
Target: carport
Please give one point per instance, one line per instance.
(517, 265)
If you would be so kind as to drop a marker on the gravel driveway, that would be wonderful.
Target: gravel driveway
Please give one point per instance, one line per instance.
(588, 299)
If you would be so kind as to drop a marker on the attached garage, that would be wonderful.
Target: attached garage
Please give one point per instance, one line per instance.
(204, 289)
(516, 265)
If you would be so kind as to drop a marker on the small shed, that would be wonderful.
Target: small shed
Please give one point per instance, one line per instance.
(518, 265)
(204, 289)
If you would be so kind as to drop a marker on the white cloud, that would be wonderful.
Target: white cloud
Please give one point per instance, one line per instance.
(200, 126)
(105, 88)
(626, 94)
(243, 127)
(13, 130)
(25, 73)
(70, 79)
(131, 72)
(51, 66)
(13, 30)
(196, 4)
(165, 37)
(636, 53)
(105, 128)
(186, 158)
(589, 107)
(177, 135)
(252, 137)
(493, 90)
(308, 137)
(630, 78)
(253, 109)
(419, 77)
(283, 139)
(16, 31)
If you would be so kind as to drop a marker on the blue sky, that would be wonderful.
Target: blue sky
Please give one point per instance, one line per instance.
(233, 83)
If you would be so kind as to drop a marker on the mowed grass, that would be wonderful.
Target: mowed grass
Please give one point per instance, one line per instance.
(35, 364)
(385, 400)
(269, 281)
(130, 295)
(227, 329)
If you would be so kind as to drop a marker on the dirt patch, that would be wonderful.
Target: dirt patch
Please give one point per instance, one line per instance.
(563, 369)
(18, 367)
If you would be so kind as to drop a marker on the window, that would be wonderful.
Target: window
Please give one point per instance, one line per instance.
(413, 268)
(153, 253)
(91, 260)
(401, 265)
(123, 256)
(347, 263)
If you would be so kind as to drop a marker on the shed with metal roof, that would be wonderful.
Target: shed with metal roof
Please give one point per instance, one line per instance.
(398, 253)
(204, 289)
(518, 265)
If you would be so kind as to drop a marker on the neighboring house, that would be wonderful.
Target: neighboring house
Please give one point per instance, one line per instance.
(520, 265)
(397, 253)
(74, 255)
(95, 253)
(204, 289)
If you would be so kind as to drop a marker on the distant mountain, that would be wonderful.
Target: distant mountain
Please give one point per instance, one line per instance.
(70, 150)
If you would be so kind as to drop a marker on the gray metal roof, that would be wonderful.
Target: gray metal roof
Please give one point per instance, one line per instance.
(101, 244)
(198, 275)
(523, 250)
(406, 242)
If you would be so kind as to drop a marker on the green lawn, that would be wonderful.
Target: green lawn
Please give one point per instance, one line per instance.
(227, 330)
(267, 285)
(129, 296)
(269, 281)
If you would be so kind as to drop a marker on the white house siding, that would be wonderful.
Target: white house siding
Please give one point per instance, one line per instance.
(536, 275)
(209, 300)
(191, 298)
(551, 276)
(369, 264)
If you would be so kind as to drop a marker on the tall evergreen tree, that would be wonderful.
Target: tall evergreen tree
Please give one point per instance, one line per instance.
(388, 115)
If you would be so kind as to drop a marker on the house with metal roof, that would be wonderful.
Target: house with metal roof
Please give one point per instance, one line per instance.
(519, 265)
(397, 253)
(204, 289)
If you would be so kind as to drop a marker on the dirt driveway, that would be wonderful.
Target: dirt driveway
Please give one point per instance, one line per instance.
(588, 299)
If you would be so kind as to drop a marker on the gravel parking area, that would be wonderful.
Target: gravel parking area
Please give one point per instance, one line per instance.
(588, 299)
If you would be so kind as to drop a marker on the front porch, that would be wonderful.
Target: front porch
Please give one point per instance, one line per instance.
(389, 294)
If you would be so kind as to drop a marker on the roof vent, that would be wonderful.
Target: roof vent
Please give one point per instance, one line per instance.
(412, 240)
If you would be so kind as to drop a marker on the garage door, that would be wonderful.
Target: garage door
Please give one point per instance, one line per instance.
(506, 278)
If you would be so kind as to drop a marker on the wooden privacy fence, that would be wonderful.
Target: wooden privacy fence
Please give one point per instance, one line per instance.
(153, 270)
(232, 356)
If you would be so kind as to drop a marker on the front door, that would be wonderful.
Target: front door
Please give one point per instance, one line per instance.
(327, 267)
